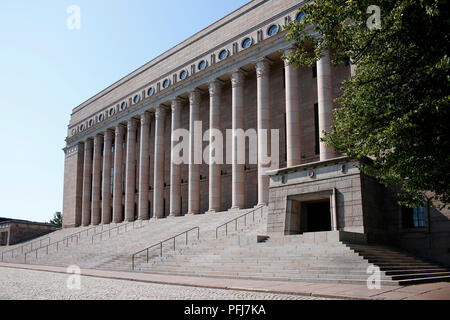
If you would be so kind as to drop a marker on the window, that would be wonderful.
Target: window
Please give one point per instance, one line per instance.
(123, 106)
(137, 98)
(413, 217)
(316, 128)
(112, 111)
(101, 117)
(183, 75)
(151, 91)
(91, 123)
(82, 127)
(202, 65)
(223, 54)
(300, 16)
(166, 83)
(246, 43)
(273, 30)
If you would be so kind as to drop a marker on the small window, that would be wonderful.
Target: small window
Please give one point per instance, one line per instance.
(413, 217)
(183, 75)
(123, 106)
(166, 83)
(74, 131)
(137, 98)
(246, 43)
(300, 16)
(273, 30)
(101, 117)
(316, 129)
(223, 54)
(112, 111)
(151, 91)
(91, 123)
(82, 127)
(202, 65)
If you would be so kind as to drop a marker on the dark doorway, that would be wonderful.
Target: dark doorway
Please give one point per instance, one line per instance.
(3, 238)
(319, 217)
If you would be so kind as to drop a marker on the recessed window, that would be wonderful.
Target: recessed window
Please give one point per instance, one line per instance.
(202, 65)
(74, 131)
(223, 54)
(247, 42)
(112, 111)
(166, 83)
(101, 117)
(151, 91)
(82, 127)
(123, 106)
(413, 217)
(300, 16)
(137, 98)
(91, 123)
(273, 30)
(183, 75)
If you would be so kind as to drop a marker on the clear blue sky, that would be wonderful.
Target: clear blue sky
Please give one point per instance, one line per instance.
(46, 70)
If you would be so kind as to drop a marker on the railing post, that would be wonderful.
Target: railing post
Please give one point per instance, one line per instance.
(187, 238)
(132, 262)
(245, 220)
(226, 229)
(198, 233)
(174, 238)
(161, 249)
(147, 255)
(57, 246)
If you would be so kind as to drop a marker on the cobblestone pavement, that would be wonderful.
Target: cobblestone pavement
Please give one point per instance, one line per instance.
(38, 285)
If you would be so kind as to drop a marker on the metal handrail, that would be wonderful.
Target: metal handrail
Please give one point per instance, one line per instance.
(66, 239)
(116, 228)
(160, 244)
(235, 220)
(23, 246)
(87, 232)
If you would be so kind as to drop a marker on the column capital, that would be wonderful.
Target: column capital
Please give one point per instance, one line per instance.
(119, 130)
(97, 138)
(145, 119)
(108, 135)
(237, 78)
(131, 124)
(262, 66)
(160, 112)
(176, 104)
(194, 96)
(287, 51)
(88, 142)
(215, 87)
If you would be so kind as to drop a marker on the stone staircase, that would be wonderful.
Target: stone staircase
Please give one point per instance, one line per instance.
(400, 265)
(240, 252)
(115, 251)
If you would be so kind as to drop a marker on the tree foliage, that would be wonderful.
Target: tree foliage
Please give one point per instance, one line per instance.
(57, 219)
(395, 109)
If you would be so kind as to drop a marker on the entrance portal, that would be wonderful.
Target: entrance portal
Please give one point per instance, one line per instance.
(310, 213)
(318, 217)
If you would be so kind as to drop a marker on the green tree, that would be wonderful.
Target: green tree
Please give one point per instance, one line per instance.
(395, 109)
(57, 219)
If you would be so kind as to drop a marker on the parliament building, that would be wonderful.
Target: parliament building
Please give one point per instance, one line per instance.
(231, 75)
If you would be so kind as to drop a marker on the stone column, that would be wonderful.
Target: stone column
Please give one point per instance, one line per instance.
(96, 179)
(118, 172)
(293, 128)
(263, 107)
(194, 169)
(158, 191)
(87, 183)
(238, 170)
(144, 167)
(175, 169)
(325, 99)
(106, 188)
(215, 183)
(130, 179)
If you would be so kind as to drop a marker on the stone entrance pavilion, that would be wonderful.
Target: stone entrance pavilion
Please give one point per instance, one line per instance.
(231, 76)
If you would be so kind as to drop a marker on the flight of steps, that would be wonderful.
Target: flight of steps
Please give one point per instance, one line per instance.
(323, 258)
(402, 266)
(115, 252)
(17, 255)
